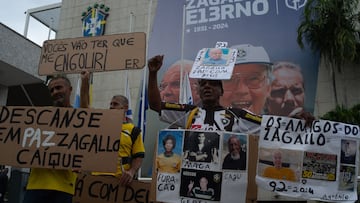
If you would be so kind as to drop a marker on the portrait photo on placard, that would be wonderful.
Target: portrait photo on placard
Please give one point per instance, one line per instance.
(234, 153)
(201, 146)
(201, 184)
(281, 164)
(168, 157)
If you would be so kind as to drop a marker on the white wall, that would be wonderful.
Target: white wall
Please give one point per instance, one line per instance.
(348, 84)
(107, 84)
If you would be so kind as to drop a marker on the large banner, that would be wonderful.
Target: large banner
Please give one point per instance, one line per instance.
(201, 166)
(260, 29)
(60, 138)
(268, 25)
(319, 163)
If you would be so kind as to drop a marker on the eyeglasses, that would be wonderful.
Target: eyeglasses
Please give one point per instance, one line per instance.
(254, 81)
(172, 85)
(280, 93)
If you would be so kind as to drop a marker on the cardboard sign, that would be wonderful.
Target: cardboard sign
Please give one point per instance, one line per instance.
(180, 176)
(94, 54)
(61, 138)
(103, 189)
(251, 193)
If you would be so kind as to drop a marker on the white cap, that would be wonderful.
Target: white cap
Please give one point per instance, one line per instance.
(250, 54)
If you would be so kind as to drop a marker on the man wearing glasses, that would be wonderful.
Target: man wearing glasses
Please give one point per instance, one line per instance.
(249, 85)
(170, 84)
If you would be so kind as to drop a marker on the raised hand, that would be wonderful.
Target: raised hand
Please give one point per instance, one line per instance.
(155, 63)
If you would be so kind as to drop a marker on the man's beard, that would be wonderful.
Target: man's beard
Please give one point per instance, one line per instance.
(235, 155)
(59, 100)
(59, 103)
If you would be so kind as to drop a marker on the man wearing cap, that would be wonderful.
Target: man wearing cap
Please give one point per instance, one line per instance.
(249, 86)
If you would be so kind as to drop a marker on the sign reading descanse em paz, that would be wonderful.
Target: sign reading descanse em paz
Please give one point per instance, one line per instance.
(61, 138)
(94, 54)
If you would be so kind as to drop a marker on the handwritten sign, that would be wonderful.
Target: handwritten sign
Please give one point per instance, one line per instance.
(61, 138)
(106, 189)
(214, 66)
(94, 54)
(318, 162)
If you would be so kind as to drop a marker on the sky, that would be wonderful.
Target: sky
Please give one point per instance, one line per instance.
(13, 15)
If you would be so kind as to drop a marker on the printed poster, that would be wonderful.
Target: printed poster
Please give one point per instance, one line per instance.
(201, 166)
(318, 162)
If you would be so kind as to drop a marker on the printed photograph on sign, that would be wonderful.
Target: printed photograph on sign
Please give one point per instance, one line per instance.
(280, 164)
(347, 178)
(214, 63)
(201, 146)
(348, 151)
(168, 159)
(201, 184)
(215, 56)
(319, 166)
(234, 154)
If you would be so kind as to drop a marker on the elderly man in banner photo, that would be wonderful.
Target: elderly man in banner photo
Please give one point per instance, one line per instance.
(52, 185)
(170, 86)
(249, 85)
(131, 151)
(287, 94)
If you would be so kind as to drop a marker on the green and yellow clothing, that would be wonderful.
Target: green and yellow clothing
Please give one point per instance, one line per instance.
(128, 150)
(280, 173)
(52, 179)
(168, 163)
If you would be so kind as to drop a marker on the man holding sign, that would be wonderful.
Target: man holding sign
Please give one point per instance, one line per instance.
(211, 116)
(52, 185)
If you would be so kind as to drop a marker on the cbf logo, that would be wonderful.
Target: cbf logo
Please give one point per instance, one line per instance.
(94, 20)
(295, 4)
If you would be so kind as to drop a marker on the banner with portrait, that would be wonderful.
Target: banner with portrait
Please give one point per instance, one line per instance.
(201, 166)
(319, 162)
(268, 25)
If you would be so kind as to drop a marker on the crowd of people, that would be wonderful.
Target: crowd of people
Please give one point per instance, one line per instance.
(235, 106)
